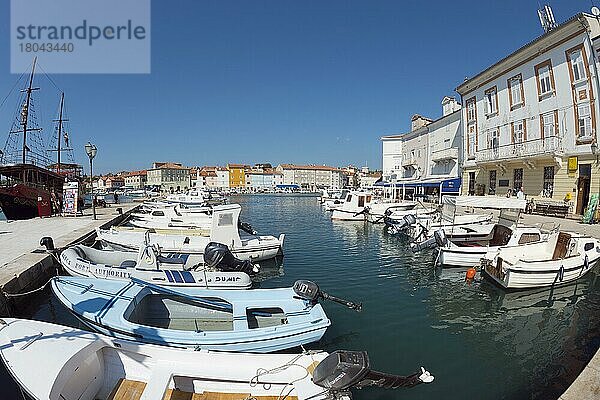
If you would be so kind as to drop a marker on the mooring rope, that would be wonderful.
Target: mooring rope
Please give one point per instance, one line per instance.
(254, 381)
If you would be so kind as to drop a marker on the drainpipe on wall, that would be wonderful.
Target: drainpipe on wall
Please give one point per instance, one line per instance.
(595, 66)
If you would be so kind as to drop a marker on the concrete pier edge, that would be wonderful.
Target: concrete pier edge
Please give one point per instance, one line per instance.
(32, 270)
(587, 385)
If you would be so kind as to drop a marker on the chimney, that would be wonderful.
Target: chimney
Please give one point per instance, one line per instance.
(418, 121)
(449, 105)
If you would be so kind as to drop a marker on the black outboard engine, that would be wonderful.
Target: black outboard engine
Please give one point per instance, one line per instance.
(424, 245)
(342, 370)
(310, 291)
(439, 239)
(218, 255)
(246, 227)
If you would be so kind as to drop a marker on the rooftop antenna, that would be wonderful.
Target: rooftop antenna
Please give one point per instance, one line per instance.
(547, 18)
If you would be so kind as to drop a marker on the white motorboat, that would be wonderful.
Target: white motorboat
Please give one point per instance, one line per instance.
(224, 229)
(469, 253)
(506, 232)
(357, 204)
(80, 365)
(148, 265)
(463, 227)
(172, 217)
(564, 257)
(193, 197)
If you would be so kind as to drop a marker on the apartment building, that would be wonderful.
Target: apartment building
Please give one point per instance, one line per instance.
(311, 177)
(169, 177)
(237, 175)
(529, 120)
(136, 179)
(427, 159)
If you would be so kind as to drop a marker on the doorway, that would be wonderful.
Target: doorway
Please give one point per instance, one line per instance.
(471, 183)
(583, 187)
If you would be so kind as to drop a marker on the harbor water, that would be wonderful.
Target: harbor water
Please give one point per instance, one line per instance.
(478, 342)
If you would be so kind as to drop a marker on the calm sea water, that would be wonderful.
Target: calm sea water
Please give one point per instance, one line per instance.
(479, 342)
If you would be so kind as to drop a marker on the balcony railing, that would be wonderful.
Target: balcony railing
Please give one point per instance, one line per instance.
(445, 154)
(547, 146)
(409, 162)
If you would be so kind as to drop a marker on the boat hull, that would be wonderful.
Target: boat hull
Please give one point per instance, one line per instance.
(539, 274)
(461, 257)
(180, 318)
(76, 266)
(86, 365)
(21, 202)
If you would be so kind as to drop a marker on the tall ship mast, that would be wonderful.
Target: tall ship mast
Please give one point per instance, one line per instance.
(29, 187)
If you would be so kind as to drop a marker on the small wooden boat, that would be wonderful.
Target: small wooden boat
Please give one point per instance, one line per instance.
(259, 320)
(564, 257)
(88, 366)
(149, 265)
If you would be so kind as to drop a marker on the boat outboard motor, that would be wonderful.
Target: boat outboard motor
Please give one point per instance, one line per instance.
(309, 290)
(410, 219)
(425, 244)
(246, 227)
(218, 255)
(342, 370)
(48, 243)
(440, 238)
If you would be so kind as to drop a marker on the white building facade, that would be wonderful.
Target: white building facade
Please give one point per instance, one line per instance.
(529, 121)
(427, 159)
(311, 177)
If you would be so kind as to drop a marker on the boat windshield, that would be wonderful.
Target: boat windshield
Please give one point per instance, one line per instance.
(169, 311)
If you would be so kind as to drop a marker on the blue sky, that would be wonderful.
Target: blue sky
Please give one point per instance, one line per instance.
(283, 81)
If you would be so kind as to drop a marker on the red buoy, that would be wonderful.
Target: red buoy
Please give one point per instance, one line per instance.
(471, 274)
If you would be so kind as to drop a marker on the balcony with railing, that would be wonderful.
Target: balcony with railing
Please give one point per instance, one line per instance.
(550, 146)
(445, 154)
(409, 162)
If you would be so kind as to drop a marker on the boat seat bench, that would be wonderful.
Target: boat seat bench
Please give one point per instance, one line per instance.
(181, 395)
(126, 389)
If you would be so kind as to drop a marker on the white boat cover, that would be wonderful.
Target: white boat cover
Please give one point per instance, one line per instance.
(492, 202)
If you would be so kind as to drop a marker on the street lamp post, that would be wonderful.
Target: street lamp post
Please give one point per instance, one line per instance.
(91, 150)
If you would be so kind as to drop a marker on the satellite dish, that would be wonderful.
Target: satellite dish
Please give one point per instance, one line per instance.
(595, 11)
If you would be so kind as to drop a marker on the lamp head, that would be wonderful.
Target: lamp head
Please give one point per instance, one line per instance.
(91, 150)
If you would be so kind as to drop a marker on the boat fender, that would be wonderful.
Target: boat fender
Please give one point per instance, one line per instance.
(586, 262)
(561, 273)
(471, 272)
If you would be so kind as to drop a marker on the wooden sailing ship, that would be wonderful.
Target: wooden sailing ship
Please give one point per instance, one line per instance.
(30, 184)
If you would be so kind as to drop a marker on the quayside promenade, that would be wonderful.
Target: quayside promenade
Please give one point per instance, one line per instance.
(24, 265)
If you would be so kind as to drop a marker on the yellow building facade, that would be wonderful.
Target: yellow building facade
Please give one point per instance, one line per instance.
(237, 175)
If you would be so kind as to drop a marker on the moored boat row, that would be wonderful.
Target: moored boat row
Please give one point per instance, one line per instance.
(166, 321)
